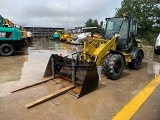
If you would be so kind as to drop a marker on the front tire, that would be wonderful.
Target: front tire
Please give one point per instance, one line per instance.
(6, 50)
(113, 66)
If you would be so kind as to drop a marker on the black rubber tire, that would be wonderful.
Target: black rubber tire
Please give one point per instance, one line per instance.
(135, 64)
(6, 50)
(156, 51)
(113, 66)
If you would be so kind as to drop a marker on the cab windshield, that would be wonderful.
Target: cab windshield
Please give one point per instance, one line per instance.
(113, 26)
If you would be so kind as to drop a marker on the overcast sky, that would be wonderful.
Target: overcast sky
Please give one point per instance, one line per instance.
(57, 13)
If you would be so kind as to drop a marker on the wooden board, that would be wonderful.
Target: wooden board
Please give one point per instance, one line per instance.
(50, 96)
(37, 83)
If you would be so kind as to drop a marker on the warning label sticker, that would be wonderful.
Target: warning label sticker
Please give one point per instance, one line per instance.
(2, 34)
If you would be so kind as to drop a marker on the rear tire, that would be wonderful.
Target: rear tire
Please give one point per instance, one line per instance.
(6, 50)
(113, 66)
(156, 51)
(135, 64)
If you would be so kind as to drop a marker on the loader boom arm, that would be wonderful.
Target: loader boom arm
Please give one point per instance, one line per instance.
(98, 49)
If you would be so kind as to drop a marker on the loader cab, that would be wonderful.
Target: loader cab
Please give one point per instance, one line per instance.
(125, 28)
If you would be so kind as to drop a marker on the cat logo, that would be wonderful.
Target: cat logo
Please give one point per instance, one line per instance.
(2, 34)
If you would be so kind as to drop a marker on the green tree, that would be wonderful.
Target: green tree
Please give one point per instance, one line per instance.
(94, 23)
(147, 13)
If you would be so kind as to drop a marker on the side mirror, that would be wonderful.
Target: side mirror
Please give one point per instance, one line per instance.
(101, 23)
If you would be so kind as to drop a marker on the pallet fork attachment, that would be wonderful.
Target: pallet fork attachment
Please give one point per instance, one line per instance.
(73, 76)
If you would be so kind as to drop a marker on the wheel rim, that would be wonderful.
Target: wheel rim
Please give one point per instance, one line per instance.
(6, 50)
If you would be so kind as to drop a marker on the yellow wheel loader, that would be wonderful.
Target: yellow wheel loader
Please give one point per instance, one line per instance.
(66, 36)
(78, 74)
(118, 48)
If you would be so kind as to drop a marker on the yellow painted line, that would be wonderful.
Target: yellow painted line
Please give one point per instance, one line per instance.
(130, 108)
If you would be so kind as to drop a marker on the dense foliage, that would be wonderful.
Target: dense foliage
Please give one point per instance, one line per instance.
(94, 23)
(147, 13)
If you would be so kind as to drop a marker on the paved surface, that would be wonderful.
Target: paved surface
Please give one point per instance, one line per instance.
(150, 110)
(102, 104)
